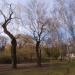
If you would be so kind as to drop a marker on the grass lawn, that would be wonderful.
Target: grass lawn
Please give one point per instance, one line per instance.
(54, 69)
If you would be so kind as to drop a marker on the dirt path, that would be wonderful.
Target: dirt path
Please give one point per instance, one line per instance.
(8, 67)
(5, 67)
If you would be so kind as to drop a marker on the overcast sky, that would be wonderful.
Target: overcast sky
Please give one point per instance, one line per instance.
(23, 2)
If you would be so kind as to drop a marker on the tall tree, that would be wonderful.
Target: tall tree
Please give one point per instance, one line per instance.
(7, 20)
(36, 19)
(66, 15)
(66, 11)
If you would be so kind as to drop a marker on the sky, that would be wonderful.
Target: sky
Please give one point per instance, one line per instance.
(18, 29)
(18, 1)
(50, 4)
(24, 3)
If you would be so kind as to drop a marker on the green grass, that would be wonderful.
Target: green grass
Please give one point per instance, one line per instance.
(54, 69)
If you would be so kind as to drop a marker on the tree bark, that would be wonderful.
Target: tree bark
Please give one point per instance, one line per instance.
(38, 54)
(13, 47)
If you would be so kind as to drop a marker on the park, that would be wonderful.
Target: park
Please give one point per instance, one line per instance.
(37, 37)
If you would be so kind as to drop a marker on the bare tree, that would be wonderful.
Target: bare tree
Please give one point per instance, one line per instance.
(66, 15)
(37, 23)
(66, 18)
(7, 20)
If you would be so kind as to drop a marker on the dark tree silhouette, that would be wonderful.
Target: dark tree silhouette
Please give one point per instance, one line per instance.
(7, 20)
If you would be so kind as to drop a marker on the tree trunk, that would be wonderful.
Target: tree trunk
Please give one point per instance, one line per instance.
(13, 53)
(38, 54)
(13, 47)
